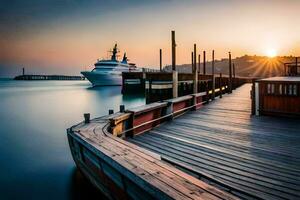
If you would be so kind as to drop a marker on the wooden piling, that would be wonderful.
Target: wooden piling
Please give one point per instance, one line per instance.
(122, 108)
(175, 74)
(199, 61)
(173, 51)
(192, 61)
(213, 75)
(110, 111)
(160, 59)
(204, 62)
(220, 85)
(23, 71)
(195, 89)
(87, 117)
(175, 84)
(230, 74)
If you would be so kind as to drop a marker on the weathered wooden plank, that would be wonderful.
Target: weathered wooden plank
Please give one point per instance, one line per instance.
(266, 171)
(221, 175)
(256, 155)
(142, 167)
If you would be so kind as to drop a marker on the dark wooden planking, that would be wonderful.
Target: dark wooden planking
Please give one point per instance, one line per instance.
(260, 189)
(224, 160)
(140, 166)
(256, 154)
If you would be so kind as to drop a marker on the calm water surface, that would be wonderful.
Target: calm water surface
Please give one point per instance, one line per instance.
(35, 160)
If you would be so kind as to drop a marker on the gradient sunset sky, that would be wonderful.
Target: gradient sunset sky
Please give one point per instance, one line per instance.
(67, 36)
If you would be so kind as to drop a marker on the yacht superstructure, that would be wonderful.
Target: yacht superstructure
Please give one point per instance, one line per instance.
(109, 72)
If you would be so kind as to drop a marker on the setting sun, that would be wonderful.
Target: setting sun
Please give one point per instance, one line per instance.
(271, 53)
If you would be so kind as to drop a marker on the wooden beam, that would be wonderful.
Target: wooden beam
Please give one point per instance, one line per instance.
(160, 59)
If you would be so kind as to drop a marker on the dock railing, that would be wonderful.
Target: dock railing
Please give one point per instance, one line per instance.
(143, 118)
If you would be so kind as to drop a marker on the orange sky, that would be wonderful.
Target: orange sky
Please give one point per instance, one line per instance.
(69, 43)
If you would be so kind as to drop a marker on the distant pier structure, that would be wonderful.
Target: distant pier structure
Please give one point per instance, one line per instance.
(34, 77)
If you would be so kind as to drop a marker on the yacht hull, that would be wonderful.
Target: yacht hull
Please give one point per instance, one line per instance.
(98, 79)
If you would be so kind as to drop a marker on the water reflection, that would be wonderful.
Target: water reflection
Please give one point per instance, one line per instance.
(35, 161)
(81, 188)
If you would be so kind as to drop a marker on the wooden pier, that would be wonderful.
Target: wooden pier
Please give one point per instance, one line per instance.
(122, 170)
(158, 86)
(197, 141)
(185, 148)
(28, 77)
(253, 157)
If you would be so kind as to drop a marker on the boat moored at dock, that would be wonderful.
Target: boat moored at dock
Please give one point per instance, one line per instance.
(109, 72)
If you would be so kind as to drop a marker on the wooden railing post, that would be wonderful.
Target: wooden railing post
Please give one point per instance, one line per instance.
(160, 59)
(87, 117)
(199, 61)
(204, 62)
(195, 89)
(213, 75)
(230, 75)
(220, 85)
(175, 84)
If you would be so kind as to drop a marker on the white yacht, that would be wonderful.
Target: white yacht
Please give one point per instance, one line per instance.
(109, 72)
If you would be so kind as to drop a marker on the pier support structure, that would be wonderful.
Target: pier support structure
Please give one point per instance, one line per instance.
(160, 59)
(204, 62)
(220, 85)
(175, 74)
(213, 75)
(199, 61)
(195, 89)
(230, 74)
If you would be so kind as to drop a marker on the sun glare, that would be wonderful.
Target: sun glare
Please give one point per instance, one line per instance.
(271, 53)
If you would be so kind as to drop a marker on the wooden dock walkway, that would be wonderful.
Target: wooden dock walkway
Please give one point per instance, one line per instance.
(122, 170)
(250, 156)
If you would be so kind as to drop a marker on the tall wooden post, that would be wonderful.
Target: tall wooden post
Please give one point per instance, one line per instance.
(220, 85)
(160, 59)
(213, 75)
(173, 51)
(195, 89)
(230, 75)
(192, 61)
(175, 74)
(233, 71)
(296, 66)
(204, 62)
(199, 61)
(23, 71)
